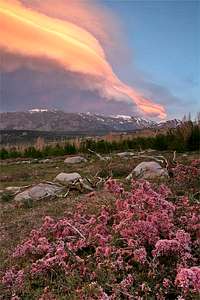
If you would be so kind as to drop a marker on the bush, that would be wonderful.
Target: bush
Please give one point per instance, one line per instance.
(32, 153)
(4, 153)
(70, 149)
(6, 197)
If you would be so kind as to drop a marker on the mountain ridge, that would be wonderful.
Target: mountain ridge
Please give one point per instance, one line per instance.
(57, 120)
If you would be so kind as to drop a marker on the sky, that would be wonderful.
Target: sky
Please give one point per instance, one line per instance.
(110, 57)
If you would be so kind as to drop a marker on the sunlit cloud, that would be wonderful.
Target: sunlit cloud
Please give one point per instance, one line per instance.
(32, 33)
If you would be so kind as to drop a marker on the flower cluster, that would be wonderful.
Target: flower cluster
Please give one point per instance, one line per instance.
(14, 278)
(188, 278)
(187, 176)
(142, 247)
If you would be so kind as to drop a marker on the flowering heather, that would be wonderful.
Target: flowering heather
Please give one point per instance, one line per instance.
(143, 247)
(187, 176)
(188, 278)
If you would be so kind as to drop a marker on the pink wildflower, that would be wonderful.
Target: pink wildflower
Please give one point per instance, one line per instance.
(13, 278)
(166, 283)
(188, 278)
(140, 255)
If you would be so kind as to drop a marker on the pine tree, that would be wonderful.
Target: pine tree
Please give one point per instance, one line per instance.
(193, 142)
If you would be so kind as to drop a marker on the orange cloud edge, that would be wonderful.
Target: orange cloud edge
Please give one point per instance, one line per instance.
(31, 33)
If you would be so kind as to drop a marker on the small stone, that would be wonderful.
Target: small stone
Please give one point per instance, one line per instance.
(25, 162)
(125, 154)
(67, 177)
(75, 160)
(44, 161)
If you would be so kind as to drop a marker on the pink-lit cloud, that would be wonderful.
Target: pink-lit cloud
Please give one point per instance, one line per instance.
(74, 42)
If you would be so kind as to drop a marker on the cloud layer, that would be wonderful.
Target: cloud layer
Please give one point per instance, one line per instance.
(35, 34)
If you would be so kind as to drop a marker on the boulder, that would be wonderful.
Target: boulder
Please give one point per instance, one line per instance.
(38, 192)
(23, 196)
(75, 160)
(149, 169)
(67, 177)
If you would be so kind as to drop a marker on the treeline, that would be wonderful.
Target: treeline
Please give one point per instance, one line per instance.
(184, 138)
(33, 152)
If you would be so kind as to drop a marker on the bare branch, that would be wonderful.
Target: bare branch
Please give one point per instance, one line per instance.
(174, 156)
(75, 229)
(97, 154)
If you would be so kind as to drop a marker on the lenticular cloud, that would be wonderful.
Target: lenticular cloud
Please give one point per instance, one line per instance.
(31, 33)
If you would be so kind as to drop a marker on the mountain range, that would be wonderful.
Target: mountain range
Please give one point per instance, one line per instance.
(55, 120)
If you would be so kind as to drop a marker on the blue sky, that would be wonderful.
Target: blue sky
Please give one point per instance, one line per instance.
(164, 40)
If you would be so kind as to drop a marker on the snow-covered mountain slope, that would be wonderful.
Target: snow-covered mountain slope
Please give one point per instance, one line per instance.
(55, 120)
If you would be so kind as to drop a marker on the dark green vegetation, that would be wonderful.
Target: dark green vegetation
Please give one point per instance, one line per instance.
(184, 138)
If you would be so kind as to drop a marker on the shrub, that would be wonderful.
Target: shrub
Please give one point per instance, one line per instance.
(6, 197)
(4, 153)
(33, 153)
(187, 177)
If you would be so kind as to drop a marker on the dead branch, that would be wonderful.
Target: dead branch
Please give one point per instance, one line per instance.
(100, 180)
(120, 291)
(130, 176)
(66, 194)
(75, 229)
(174, 158)
(88, 179)
(22, 188)
(97, 154)
(148, 156)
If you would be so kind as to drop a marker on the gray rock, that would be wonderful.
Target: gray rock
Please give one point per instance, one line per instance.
(35, 161)
(44, 161)
(24, 162)
(150, 169)
(67, 177)
(75, 160)
(38, 192)
(23, 196)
